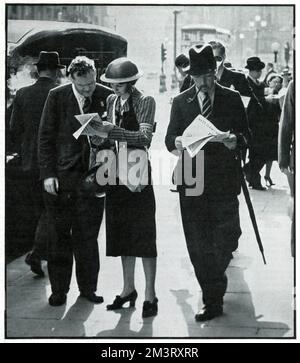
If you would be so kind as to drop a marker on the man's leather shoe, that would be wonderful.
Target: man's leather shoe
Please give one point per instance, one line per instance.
(92, 297)
(258, 187)
(209, 312)
(57, 299)
(35, 264)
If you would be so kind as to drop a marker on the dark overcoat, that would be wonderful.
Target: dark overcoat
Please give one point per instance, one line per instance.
(25, 119)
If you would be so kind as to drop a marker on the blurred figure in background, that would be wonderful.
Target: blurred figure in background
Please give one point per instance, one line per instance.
(24, 124)
(287, 77)
(270, 126)
(182, 62)
(256, 118)
(227, 77)
(269, 71)
(286, 149)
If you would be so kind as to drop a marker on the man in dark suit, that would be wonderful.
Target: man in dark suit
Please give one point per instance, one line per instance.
(211, 219)
(257, 123)
(63, 163)
(24, 124)
(227, 77)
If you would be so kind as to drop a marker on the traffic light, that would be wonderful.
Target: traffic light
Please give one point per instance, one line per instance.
(163, 52)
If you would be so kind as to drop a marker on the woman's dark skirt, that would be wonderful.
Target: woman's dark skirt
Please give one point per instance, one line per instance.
(130, 222)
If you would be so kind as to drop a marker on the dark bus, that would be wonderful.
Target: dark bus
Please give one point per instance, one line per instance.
(26, 38)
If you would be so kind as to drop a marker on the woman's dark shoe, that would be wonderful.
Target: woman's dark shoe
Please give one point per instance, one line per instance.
(120, 301)
(150, 309)
(269, 181)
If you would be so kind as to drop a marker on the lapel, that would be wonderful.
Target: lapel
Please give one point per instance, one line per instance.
(191, 104)
(217, 105)
(225, 78)
(72, 104)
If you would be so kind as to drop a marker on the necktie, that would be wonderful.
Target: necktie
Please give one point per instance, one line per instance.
(86, 105)
(206, 106)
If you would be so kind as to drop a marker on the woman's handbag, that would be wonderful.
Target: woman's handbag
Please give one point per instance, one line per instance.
(133, 167)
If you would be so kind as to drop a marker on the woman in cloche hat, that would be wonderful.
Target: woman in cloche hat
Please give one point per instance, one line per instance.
(130, 216)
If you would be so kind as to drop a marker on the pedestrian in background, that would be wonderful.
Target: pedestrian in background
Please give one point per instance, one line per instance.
(130, 216)
(182, 62)
(256, 117)
(271, 124)
(24, 124)
(286, 149)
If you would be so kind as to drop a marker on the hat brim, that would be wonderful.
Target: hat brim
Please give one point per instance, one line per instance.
(121, 80)
(56, 66)
(197, 71)
(257, 67)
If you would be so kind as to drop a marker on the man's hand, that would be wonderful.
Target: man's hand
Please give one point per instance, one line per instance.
(230, 142)
(51, 185)
(178, 143)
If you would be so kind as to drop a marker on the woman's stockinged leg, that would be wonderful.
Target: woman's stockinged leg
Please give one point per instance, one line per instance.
(128, 263)
(149, 265)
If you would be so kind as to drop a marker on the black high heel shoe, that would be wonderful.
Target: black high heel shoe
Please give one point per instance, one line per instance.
(269, 181)
(150, 309)
(120, 301)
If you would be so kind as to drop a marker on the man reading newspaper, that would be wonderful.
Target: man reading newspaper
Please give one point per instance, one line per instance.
(210, 216)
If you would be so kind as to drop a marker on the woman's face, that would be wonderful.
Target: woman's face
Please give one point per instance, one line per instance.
(120, 89)
(275, 83)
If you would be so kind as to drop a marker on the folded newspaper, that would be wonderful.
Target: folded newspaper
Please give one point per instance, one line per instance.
(92, 125)
(199, 132)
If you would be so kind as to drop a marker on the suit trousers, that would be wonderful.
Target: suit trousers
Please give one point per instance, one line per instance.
(212, 229)
(77, 219)
(39, 228)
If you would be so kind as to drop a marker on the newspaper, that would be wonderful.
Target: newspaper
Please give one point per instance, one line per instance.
(200, 132)
(92, 125)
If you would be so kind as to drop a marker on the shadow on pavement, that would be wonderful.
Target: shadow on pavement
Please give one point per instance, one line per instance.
(122, 328)
(239, 319)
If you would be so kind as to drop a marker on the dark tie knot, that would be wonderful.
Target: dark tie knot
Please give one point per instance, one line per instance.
(86, 105)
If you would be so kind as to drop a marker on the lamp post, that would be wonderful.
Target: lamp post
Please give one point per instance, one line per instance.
(174, 76)
(257, 24)
(275, 49)
(242, 37)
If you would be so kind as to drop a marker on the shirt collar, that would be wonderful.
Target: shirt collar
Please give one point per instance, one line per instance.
(253, 79)
(78, 96)
(211, 93)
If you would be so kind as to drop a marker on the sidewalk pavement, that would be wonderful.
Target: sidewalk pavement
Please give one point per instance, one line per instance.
(259, 302)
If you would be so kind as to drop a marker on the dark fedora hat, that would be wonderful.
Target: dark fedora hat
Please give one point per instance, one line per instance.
(254, 64)
(49, 60)
(182, 60)
(202, 60)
